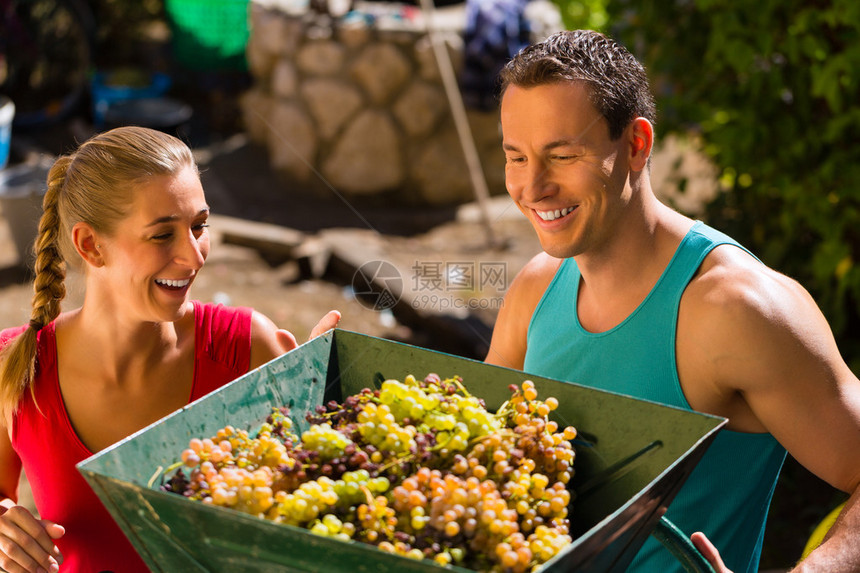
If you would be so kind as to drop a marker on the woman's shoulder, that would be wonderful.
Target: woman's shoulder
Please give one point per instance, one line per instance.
(222, 345)
(8, 334)
(222, 331)
(217, 316)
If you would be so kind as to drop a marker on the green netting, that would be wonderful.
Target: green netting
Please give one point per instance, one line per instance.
(209, 34)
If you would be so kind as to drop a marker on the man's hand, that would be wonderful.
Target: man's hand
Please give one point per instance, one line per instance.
(709, 552)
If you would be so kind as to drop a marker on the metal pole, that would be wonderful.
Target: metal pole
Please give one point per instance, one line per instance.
(461, 121)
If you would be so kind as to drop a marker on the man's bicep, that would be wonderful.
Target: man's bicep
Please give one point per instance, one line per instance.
(796, 383)
(816, 414)
(509, 342)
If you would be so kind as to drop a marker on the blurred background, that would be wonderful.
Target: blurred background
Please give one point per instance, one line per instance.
(314, 115)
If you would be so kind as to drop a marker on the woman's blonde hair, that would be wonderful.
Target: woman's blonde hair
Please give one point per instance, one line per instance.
(92, 185)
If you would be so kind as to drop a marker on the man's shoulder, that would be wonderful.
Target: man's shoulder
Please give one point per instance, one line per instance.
(530, 284)
(533, 279)
(732, 283)
(540, 269)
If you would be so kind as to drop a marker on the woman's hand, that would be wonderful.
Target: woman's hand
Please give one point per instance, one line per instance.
(268, 341)
(709, 552)
(27, 543)
(326, 323)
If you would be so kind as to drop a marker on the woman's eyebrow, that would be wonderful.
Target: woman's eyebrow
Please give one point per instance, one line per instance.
(171, 218)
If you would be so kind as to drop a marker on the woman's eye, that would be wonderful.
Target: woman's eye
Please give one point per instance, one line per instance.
(162, 236)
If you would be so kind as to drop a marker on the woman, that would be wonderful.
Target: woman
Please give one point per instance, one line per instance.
(128, 206)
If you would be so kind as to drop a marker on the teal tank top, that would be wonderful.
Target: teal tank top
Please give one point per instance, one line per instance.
(728, 494)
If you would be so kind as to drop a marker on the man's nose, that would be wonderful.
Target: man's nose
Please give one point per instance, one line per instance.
(531, 183)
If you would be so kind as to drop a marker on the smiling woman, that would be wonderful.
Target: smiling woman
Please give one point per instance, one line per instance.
(129, 210)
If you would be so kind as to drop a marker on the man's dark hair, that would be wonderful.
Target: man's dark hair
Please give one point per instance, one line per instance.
(617, 82)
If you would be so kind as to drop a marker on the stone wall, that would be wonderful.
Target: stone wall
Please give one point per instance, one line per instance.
(358, 106)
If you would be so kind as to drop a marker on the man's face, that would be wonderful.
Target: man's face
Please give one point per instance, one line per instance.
(562, 170)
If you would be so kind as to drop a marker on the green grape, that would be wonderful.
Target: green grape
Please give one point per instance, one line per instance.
(419, 468)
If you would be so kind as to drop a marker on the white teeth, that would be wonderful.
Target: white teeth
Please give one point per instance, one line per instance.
(174, 284)
(553, 215)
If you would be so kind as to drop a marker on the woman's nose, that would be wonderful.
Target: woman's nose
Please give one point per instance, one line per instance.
(193, 250)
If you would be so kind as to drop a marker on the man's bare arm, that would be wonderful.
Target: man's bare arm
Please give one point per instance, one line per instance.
(508, 346)
(753, 346)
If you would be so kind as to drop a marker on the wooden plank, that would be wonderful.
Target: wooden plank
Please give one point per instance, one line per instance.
(273, 242)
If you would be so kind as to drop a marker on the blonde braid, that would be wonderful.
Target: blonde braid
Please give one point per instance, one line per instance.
(19, 357)
(94, 185)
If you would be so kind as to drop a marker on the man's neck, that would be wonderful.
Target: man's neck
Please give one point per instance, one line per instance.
(616, 279)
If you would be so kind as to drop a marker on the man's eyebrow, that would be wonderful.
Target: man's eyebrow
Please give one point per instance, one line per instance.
(550, 145)
(171, 218)
(560, 143)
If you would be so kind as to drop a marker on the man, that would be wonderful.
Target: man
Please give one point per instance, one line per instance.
(633, 297)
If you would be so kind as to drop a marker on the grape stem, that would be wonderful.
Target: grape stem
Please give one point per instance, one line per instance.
(397, 462)
(160, 470)
(456, 381)
(367, 493)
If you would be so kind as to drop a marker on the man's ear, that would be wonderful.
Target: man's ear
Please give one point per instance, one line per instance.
(641, 137)
(87, 244)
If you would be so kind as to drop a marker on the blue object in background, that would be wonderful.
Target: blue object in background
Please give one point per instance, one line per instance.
(7, 113)
(495, 31)
(106, 90)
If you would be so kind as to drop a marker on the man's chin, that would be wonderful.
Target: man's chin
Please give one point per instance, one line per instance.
(554, 249)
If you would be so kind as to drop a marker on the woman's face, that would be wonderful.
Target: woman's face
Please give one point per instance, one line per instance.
(155, 253)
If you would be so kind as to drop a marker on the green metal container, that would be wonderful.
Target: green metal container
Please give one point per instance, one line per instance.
(636, 457)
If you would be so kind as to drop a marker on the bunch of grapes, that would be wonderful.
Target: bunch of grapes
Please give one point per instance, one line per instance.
(419, 468)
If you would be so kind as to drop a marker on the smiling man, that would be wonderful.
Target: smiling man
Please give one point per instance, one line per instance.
(633, 297)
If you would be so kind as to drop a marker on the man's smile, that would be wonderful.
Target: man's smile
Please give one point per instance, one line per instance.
(553, 215)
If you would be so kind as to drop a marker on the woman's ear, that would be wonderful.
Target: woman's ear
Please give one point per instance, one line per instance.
(87, 245)
(641, 141)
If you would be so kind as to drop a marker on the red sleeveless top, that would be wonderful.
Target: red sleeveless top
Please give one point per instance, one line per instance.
(49, 448)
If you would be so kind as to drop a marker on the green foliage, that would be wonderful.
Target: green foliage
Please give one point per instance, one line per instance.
(583, 14)
(773, 88)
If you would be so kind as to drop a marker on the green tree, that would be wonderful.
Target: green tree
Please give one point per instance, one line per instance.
(583, 14)
(773, 89)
